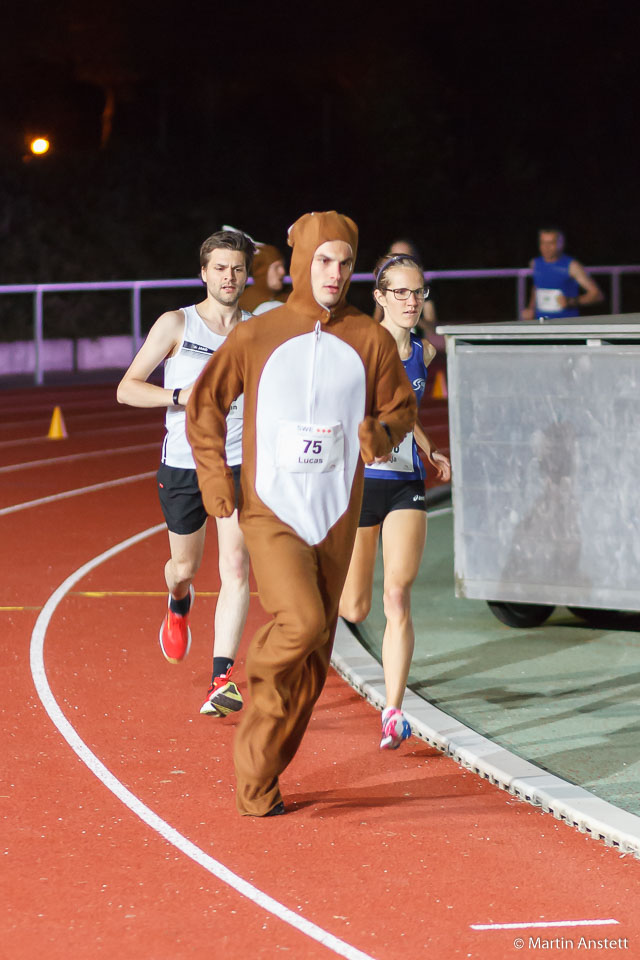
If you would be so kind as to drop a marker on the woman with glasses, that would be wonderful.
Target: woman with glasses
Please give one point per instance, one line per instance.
(425, 325)
(394, 500)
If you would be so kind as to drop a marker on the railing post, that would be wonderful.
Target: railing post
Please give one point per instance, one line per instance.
(521, 292)
(37, 337)
(616, 301)
(135, 318)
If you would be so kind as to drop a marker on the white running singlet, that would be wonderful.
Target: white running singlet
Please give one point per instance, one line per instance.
(181, 370)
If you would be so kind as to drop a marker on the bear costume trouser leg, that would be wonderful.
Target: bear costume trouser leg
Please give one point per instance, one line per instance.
(288, 660)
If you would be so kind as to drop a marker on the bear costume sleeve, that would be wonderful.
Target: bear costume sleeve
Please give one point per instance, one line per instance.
(212, 396)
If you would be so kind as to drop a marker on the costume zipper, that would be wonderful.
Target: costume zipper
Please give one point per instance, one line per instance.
(312, 385)
(311, 404)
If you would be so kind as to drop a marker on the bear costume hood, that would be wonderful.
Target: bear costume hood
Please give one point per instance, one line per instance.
(305, 236)
(259, 291)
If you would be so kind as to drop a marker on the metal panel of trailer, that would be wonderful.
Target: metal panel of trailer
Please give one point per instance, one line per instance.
(545, 452)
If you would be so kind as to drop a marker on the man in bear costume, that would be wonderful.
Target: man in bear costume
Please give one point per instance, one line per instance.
(324, 391)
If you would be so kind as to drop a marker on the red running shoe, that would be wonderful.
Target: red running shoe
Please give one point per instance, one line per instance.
(175, 635)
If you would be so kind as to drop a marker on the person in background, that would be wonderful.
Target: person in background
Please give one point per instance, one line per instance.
(561, 285)
(394, 500)
(185, 340)
(268, 273)
(427, 319)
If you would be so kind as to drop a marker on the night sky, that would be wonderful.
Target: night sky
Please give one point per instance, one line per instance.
(465, 126)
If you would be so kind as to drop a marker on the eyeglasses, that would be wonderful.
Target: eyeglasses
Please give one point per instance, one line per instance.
(403, 293)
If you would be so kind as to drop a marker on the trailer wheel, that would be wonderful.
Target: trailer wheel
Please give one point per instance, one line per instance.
(520, 614)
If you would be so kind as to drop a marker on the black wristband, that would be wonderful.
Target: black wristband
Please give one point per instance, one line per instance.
(176, 394)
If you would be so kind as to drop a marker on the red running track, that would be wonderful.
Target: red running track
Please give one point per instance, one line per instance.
(389, 856)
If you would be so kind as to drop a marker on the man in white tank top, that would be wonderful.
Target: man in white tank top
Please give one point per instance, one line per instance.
(185, 339)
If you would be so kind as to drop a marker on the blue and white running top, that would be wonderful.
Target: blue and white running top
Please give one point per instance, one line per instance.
(181, 370)
(405, 464)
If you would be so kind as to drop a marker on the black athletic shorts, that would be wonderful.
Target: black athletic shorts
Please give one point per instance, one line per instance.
(181, 500)
(381, 497)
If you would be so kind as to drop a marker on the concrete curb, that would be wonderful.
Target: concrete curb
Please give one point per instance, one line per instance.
(564, 800)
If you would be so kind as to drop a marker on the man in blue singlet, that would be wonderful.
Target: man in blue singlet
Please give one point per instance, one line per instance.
(561, 285)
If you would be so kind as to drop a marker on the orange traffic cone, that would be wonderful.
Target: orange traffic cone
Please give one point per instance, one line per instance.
(57, 429)
(439, 386)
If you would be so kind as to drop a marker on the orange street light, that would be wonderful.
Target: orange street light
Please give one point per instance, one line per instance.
(39, 146)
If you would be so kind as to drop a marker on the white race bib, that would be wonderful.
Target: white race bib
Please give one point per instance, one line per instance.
(309, 447)
(401, 458)
(547, 300)
(236, 410)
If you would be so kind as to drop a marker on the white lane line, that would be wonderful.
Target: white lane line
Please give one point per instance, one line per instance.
(88, 415)
(550, 923)
(76, 493)
(76, 456)
(134, 804)
(45, 407)
(42, 438)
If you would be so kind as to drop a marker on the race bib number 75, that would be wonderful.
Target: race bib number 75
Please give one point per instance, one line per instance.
(309, 447)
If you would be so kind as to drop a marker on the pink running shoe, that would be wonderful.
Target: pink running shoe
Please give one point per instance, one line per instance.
(395, 728)
(175, 635)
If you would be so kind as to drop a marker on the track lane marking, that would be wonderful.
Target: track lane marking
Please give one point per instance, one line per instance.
(85, 401)
(9, 609)
(539, 924)
(42, 437)
(93, 594)
(76, 493)
(169, 833)
(86, 415)
(69, 458)
(43, 409)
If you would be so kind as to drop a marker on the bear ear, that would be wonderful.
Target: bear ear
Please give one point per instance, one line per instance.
(293, 229)
(352, 225)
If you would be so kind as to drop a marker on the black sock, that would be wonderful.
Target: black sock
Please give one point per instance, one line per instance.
(220, 666)
(181, 607)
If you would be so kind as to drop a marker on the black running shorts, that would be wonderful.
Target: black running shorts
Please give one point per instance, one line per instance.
(381, 497)
(181, 500)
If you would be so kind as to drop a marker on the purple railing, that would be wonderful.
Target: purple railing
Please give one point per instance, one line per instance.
(520, 274)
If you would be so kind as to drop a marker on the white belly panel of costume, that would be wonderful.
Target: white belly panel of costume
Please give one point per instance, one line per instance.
(317, 382)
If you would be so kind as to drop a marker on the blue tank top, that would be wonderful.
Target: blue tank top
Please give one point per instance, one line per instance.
(550, 280)
(405, 455)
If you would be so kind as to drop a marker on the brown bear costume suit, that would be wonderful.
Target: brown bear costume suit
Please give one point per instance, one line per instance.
(324, 390)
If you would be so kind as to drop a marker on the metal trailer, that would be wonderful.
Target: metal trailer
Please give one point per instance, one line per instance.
(545, 453)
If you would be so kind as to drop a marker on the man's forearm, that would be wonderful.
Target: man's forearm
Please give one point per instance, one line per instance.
(594, 295)
(139, 393)
(584, 299)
